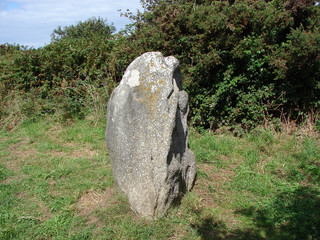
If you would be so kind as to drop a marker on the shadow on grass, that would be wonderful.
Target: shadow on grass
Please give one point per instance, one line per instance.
(293, 214)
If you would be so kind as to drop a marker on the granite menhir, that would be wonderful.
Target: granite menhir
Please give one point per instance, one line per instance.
(147, 135)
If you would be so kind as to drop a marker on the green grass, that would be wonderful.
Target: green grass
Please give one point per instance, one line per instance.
(56, 183)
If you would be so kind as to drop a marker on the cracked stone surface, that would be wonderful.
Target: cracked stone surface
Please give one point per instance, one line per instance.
(147, 135)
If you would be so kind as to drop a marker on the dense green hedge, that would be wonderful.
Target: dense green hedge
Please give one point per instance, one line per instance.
(243, 62)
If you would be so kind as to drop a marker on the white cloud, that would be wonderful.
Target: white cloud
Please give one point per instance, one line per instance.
(30, 22)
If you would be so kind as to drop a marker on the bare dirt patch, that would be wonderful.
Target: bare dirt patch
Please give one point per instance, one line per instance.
(216, 179)
(55, 153)
(14, 178)
(39, 211)
(18, 153)
(83, 153)
(92, 201)
(213, 193)
(218, 176)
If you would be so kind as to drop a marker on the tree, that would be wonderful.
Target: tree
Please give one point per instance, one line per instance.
(87, 29)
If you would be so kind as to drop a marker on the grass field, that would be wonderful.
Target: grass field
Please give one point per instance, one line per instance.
(56, 183)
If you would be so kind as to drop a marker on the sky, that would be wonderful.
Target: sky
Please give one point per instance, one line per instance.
(31, 22)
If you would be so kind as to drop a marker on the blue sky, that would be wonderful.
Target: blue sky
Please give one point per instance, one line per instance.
(30, 22)
(11, 5)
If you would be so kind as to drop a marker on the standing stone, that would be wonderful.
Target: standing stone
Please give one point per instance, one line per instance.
(147, 135)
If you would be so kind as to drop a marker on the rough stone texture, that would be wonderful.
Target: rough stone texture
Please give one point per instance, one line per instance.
(147, 135)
